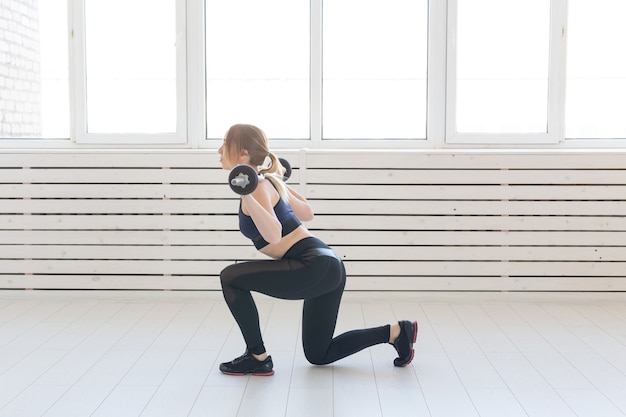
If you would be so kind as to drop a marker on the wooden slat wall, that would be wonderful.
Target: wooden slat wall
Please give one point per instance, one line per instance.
(402, 220)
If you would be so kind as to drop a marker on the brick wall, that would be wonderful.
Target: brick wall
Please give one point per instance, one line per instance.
(20, 85)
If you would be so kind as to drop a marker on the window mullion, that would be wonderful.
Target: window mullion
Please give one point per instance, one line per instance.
(196, 80)
(77, 68)
(556, 104)
(450, 91)
(436, 95)
(316, 71)
(181, 72)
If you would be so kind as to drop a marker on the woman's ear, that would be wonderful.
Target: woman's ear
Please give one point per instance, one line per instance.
(244, 156)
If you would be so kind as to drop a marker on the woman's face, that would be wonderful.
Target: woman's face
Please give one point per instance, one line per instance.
(227, 163)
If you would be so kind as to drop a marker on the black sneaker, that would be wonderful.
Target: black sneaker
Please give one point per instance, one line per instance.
(247, 364)
(404, 343)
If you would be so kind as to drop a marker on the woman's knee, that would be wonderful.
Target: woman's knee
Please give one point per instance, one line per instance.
(228, 275)
(315, 357)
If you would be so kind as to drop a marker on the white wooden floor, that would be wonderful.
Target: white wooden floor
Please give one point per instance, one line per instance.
(116, 354)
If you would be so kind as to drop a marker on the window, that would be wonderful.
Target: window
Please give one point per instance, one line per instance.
(34, 70)
(501, 67)
(133, 88)
(374, 69)
(313, 73)
(257, 66)
(596, 70)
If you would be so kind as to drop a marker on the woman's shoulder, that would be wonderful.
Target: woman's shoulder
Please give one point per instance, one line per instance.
(266, 192)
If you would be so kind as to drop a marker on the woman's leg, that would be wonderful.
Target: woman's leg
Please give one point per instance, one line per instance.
(319, 318)
(320, 281)
(286, 278)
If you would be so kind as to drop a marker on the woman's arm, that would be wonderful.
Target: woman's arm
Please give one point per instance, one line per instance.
(300, 206)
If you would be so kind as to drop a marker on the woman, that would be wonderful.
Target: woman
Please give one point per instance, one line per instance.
(303, 268)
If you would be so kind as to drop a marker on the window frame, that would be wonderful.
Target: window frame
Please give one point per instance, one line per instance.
(556, 87)
(78, 81)
(440, 129)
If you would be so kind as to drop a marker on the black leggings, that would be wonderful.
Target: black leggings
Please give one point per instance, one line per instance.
(309, 271)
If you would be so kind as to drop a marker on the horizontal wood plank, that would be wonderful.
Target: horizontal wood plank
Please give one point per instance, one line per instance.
(343, 207)
(467, 159)
(349, 253)
(453, 175)
(469, 192)
(354, 283)
(321, 222)
(363, 268)
(363, 238)
(471, 208)
(330, 192)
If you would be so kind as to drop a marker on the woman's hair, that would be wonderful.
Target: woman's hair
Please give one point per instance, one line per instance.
(252, 139)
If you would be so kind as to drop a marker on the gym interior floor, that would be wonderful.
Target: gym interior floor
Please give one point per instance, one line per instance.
(155, 353)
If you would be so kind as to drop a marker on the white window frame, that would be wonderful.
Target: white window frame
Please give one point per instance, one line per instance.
(78, 81)
(556, 87)
(435, 92)
(435, 89)
(441, 93)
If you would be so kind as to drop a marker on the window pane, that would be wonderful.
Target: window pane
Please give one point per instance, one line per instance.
(131, 66)
(596, 70)
(257, 66)
(34, 92)
(502, 66)
(374, 69)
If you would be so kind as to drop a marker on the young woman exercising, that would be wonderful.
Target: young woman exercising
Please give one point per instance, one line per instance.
(302, 268)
